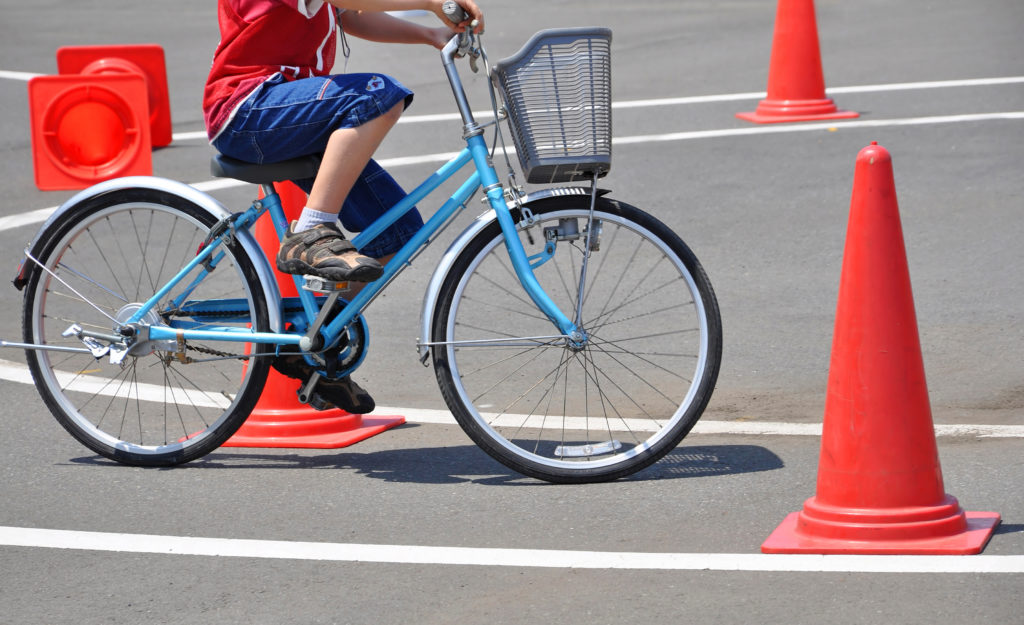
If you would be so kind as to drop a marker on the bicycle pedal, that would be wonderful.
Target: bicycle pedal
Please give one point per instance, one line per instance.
(322, 285)
(316, 402)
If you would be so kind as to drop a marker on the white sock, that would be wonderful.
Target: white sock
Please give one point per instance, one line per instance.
(310, 218)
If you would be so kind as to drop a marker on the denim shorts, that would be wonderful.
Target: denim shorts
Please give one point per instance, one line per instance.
(286, 119)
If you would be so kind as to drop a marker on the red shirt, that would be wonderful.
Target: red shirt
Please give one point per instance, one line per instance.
(260, 38)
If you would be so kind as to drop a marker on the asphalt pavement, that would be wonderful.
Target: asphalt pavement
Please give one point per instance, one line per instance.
(940, 84)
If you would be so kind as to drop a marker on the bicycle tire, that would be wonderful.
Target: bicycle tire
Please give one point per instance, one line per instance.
(626, 399)
(163, 405)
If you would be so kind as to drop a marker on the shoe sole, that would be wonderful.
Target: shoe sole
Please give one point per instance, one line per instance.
(336, 274)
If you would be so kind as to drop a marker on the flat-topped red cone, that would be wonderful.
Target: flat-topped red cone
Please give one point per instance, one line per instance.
(86, 129)
(144, 59)
(279, 419)
(880, 486)
(796, 83)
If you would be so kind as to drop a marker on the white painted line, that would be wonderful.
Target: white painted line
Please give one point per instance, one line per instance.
(464, 556)
(19, 373)
(26, 76)
(820, 126)
(730, 97)
(934, 84)
(744, 428)
(15, 372)
(26, 219)
(188, 136)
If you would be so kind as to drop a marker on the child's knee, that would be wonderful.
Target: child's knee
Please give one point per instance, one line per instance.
(395, 112)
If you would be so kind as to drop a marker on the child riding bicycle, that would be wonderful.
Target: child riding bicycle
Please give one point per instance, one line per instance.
(270, 96)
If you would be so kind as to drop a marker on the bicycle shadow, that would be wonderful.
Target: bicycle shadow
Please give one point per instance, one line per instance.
(465, 463)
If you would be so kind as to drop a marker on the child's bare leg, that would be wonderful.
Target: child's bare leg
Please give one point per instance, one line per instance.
(314, 244)
(348, 151)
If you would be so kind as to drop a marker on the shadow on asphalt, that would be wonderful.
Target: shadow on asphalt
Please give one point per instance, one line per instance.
(1009, 528)
(465, 463)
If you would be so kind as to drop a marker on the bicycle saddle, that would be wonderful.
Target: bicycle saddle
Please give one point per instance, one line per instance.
(293, 169)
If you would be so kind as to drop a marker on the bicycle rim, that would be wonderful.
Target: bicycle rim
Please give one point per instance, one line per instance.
(576, 414)
(166, 402)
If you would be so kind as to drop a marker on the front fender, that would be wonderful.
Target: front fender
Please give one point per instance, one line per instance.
(197, 197)
(455, 249)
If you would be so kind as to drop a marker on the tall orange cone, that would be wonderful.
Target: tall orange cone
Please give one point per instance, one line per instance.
(279, 419)
(879, 486)
(796, 83)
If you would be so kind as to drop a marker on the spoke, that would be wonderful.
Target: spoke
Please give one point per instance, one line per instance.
(629, 298)
(482, 368)
(622, 276)
(503, 360)
(491, 304)
(106, 261)
(65, 267)
(142, 254)
(606, 249)
(182, 378)
(627, 396)
(125, 262)
(606, 402)
(71, 288)
(651, 313)
(601, 344)
(640, 377)
(503, 289)
(504, 411)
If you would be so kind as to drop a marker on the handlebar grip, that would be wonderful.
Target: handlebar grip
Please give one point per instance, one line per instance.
(453, 11)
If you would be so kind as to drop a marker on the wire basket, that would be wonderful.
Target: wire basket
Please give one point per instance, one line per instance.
(557, 90)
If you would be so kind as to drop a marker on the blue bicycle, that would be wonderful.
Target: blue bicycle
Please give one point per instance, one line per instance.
(574, 337)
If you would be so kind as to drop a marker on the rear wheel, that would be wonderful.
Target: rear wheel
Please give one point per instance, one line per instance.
(566, 412)
(167, 402)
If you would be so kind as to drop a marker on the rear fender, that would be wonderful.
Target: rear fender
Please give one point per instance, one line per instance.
(173, 187)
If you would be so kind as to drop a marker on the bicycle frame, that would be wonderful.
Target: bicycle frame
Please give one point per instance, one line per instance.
(484, 175)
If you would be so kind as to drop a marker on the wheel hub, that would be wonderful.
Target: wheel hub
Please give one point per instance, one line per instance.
(139, 347)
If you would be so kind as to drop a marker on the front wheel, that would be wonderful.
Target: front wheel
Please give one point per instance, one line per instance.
(559, 410)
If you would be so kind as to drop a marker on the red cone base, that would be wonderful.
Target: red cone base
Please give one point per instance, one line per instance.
(279, 420)
(775, 111)
(938, 530)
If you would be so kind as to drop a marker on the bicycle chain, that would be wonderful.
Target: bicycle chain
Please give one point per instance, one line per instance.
(229, 313)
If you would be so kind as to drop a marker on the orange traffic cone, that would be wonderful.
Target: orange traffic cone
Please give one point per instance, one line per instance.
(796, 83)
(879, 486)
(86, 129)
(279, 419)
(144, 59)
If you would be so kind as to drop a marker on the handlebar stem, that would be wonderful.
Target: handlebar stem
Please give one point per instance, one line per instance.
(458, 46)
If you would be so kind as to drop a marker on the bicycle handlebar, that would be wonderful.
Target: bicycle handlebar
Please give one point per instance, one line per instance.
(453, 11)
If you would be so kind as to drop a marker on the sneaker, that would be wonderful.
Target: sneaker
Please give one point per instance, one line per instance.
(323, 251)
(341, 393)
(345, 394)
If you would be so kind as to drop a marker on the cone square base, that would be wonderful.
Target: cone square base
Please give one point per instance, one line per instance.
(788, 539)
(320, 430)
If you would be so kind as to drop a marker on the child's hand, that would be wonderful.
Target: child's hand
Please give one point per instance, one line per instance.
(440, 36)
(473, 12)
